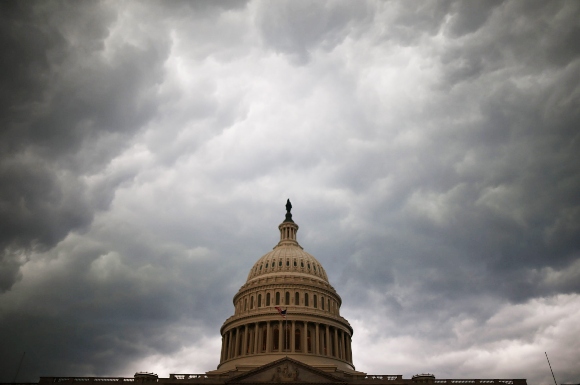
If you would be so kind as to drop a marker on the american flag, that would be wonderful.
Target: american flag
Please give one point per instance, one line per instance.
(282, 312)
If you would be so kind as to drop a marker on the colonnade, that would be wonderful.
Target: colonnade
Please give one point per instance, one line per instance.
(289, 336)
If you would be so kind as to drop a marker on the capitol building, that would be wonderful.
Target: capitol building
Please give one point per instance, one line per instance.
(286, 327)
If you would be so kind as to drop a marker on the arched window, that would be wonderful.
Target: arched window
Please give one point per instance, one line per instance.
(280, 263)
(329, 304)
(287, 300)
(296, 299)
(287, 262)
(315, 299)
(252, 302)
(294, 263)
(297, 339)
(268, 299)
(306, 299)
(259, 300)
(275, 338)
(309, 341)
(245, 304)
(322, 302)
(277, 298)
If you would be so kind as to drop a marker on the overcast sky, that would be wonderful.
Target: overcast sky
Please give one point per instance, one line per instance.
(431, 151)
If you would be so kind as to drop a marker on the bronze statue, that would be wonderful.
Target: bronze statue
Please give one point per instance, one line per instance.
(288, 213)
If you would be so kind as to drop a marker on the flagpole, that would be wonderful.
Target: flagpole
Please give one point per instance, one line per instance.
(554, 377)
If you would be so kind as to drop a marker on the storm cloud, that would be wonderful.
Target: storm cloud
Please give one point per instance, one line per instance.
(431, 152)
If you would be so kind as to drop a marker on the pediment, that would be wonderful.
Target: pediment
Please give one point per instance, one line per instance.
(285, 370)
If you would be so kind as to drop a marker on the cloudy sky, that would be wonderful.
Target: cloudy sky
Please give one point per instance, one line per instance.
(431, 151)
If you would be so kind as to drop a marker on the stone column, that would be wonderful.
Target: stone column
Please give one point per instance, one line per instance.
(348, 341)
(231, 344)
(305, 339)
(280, 331)
(327, 340)
(336, 354)
(268, 337)
(245, 341)
(223, 348)
(236, 342)
(256, 335)
(317, 340)
(343, 345)
(293, 337)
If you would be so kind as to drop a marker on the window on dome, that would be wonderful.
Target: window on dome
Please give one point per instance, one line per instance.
(260, 267)
(294, 263)
(287, 300)
(309, 266)
(322, 302)
(297, 299)
(277, 298)
(287, 262)
(268, 299)
(315, 300)
(252, 302)
(306, 299)
(301, 263)
(259, 300)
(280, 263)
(266, 265)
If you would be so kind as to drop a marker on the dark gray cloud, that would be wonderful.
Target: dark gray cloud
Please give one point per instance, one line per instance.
(430, 151)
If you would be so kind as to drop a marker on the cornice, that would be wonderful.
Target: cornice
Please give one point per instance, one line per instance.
(326, 319)
(292, 286)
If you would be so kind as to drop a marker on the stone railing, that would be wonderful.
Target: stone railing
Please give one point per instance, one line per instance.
(85, 379)
(374, 378)
(200, 377)
(383, 377)
(494, 382)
